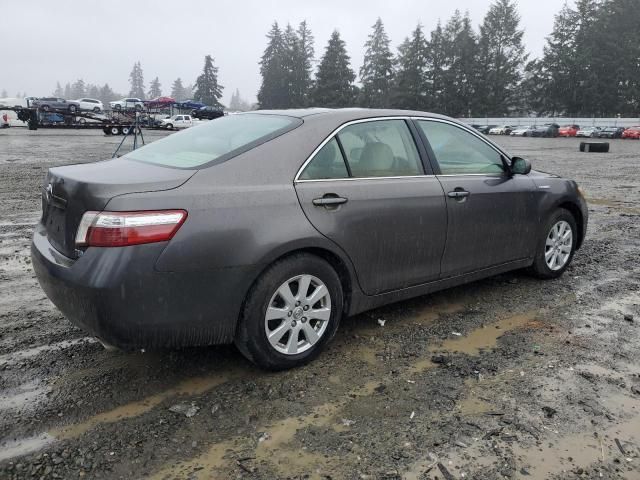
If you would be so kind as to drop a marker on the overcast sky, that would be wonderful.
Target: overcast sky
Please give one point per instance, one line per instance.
(44, 41)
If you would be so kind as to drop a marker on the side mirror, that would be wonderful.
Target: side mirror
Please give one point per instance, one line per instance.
(520, 166)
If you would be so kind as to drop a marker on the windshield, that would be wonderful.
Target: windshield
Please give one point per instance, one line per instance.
(215, 141)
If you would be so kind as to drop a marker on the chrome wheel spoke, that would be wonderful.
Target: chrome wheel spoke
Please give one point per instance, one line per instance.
(287, 295)
(278, 333)
(558, 245)
(310, 334)
(320, 314)
(292, 343)
(317, 295)
(303, 287)
(274, 313)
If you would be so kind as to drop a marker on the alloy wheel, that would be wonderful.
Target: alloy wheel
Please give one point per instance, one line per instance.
(558, 245)
(298, 314)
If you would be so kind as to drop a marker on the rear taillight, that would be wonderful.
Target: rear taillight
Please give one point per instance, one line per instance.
(119, 229)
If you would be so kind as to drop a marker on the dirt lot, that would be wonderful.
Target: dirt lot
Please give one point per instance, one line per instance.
(509, 377)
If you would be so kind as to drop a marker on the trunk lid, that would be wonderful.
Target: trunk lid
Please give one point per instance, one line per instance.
(71, 190)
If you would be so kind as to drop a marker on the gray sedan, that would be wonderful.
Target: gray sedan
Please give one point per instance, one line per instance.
(266, 228)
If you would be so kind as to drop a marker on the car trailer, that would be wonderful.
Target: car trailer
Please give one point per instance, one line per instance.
(118, 123)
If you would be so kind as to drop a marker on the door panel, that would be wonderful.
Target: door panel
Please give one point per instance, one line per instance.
(393, 229)
(494, 224)
(492, 214)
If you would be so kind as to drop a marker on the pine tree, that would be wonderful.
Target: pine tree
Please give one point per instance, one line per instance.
(92, 91)
(436, 65)
(78, 89)
(67, 91)
(273, 91)
(208, 90)
(559, 66)
(155, 89)
(291, 57)
(4, 94)
(106, 95)
(136, 80)
(58, 92)
(178, 91)
(238, 103)
(462, 71)
(502, 58)
(334, 79)
(409, 88)
(376, 73)
(303, 66)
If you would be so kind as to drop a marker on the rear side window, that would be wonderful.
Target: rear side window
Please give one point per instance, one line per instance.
(327, 163)
(383, 148)
(459, 152)
(380, 148)
(214, 142)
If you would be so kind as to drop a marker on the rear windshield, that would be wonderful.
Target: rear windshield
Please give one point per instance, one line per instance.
(215, 141)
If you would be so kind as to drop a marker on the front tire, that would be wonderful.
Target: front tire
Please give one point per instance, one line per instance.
(290, 314)
(556, 245)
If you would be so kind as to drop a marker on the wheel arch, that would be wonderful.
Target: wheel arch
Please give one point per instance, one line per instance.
(338, 262)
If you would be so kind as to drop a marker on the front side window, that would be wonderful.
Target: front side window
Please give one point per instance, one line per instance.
(214, 141)
(382, 148)
(326, 164)
(459, 152)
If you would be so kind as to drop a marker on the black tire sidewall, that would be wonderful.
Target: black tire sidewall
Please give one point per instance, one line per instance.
(251, 338)
(540, 267)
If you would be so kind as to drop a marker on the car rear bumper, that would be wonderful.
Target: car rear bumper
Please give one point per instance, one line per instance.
(117, 295)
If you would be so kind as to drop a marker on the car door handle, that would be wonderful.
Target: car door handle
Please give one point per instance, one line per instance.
(329, 200)
(458, 194)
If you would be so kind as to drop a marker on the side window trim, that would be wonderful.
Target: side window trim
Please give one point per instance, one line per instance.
(343, 155)
(434, 163)
(427, 172)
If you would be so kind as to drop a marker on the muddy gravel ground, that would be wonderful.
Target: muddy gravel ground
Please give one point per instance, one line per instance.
(509, 377)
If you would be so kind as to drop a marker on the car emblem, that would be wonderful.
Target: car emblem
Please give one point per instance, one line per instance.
(49, 192)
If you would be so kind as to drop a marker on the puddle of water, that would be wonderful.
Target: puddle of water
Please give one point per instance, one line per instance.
(478, 340)
(487, 337)
(24, 446)
(192, 386)
(15, 357)
(25, 396)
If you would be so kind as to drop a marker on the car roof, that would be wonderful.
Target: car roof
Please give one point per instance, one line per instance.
(348, 114)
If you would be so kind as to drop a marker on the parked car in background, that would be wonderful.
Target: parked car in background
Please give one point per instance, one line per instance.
(611, 132)
(207, 113)
(160, 102)
(90, 104)
(189, 105)
(590, 132)
(525, 131)
(53, 103)
(502, 130)
(177, 122)
(244, 229)
(568, 130)
(127, 104)
(549, 130)
(485, 128)
(149, 121)
(632, 132)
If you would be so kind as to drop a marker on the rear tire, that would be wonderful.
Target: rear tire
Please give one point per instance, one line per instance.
(267, 312)
(552, 244)
(115, 131)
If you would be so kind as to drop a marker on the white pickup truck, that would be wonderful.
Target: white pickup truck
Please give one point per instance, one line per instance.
(177, 121)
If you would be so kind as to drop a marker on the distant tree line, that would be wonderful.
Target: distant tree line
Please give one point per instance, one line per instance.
(206, 89)
(590, 66)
